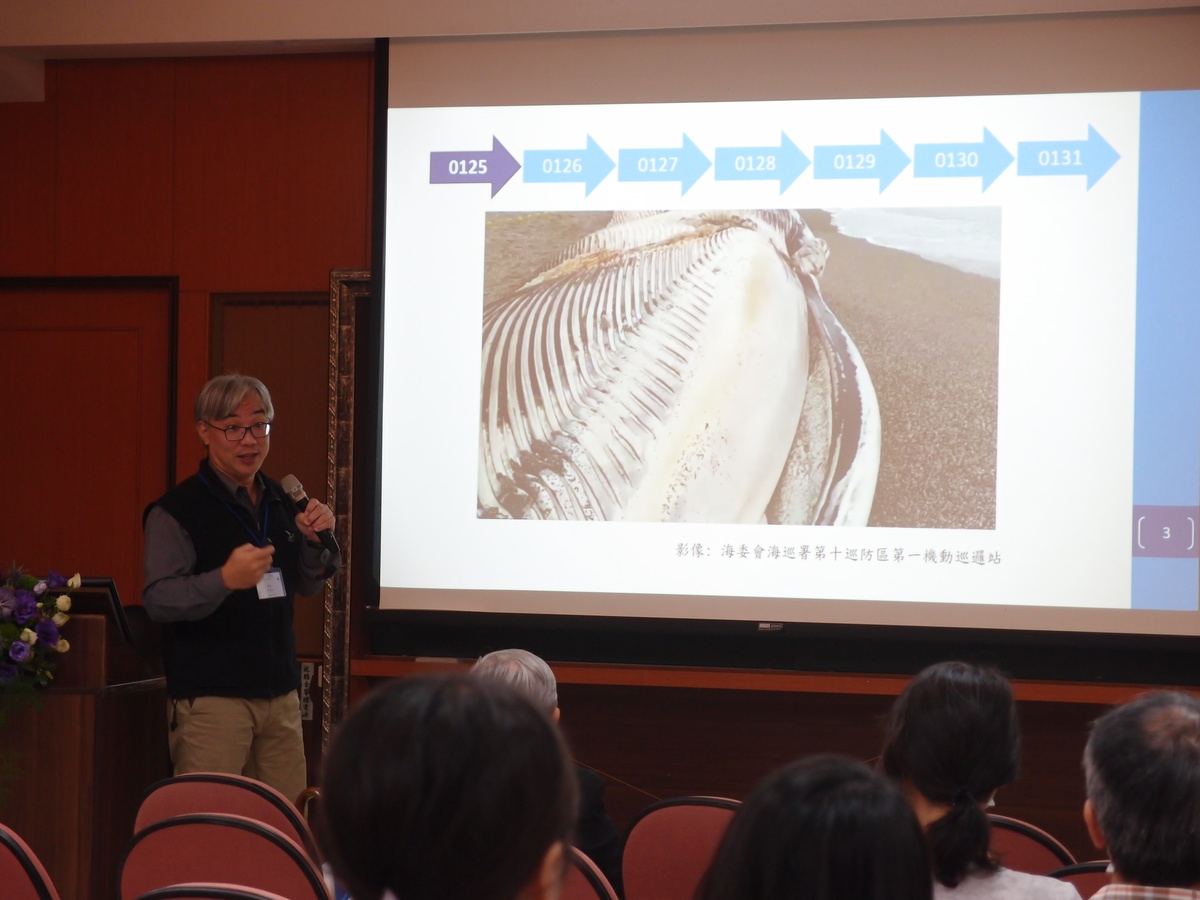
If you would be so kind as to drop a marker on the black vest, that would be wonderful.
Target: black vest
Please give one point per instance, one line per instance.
(246, 647)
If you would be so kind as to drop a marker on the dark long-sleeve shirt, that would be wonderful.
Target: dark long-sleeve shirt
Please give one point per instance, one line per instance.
(174, 592)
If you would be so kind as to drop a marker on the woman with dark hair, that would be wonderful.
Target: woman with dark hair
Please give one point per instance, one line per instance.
(447, 788)
(824, 828)
(952, 740)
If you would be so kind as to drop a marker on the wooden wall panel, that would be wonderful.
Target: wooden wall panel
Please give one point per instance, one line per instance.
(669, 742)
(192, 371)
(654, 743)
(84, 755)
(114, 167)
(88, 396)
(284, 340)
(131, 754)
(55, 737)
(253, 175)
(27, 141)
(272, 171)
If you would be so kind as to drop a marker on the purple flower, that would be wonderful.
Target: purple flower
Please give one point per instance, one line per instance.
(55, 581)
(19, 651)
(7, 672)
(26, 606)
(47, 632)
(8, 603)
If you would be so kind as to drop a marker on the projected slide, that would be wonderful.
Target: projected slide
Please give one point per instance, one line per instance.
(927, 349)
(685, 366)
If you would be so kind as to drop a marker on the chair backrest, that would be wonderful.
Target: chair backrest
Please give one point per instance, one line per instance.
(1026, 848)
(207, 847)
(670, 844)
(584, 880)
(307, 802)
(209, 891)
(1088, 877)
(21, 873)
(234, 795)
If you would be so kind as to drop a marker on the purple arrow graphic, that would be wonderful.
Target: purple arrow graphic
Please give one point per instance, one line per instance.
(474, 167)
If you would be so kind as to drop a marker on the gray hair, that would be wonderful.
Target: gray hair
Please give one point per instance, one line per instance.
(1142, 764)
(523, 671)
(220, 397)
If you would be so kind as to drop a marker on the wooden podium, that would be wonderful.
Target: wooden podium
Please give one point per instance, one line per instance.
(87, 748)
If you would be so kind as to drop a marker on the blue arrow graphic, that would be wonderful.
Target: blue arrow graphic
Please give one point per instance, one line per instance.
(986, 160)
(784, 163)
(884, 161)
(589, 166)
(683, 164)
(1093, 157)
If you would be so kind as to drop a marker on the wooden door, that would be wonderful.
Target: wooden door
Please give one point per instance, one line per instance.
(87, 399)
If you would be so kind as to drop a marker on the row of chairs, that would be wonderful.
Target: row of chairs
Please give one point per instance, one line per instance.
(24, 878)
(253, 837)
(670, 844)
(206, 836)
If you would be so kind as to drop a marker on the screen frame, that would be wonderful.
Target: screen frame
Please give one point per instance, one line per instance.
(1062, 655)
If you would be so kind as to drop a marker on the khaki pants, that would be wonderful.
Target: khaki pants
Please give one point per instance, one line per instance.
(257, 738)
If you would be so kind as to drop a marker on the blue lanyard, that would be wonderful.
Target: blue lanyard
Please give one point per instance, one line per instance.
(260, 540)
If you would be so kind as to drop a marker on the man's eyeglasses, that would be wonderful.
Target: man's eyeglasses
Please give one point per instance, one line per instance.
(236, 432)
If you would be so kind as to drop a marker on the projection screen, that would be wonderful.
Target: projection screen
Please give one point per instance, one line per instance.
(889, 324)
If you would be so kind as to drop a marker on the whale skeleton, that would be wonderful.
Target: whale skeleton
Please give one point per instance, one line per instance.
(678, 366)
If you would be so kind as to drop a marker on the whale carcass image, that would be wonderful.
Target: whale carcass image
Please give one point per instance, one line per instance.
(678, 366)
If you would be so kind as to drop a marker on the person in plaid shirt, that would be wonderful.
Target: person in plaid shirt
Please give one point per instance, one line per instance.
(1142, 764)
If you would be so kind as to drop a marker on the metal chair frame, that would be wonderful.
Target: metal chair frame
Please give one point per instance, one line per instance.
(1091, 867)
(209, 891)
(583, 864)
(1039, 836)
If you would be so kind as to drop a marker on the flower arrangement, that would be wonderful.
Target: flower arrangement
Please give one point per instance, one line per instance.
(32, 610)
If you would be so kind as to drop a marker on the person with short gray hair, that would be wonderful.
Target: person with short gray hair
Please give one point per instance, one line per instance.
(1142, 764)
(221, 396)
(532, 677)
(226, 552)
(524, 671)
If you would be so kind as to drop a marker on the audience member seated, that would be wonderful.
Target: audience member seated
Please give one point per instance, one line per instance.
(952, 740)
(1142, 764)
(595, 833)
(447, 788)
(824, 828)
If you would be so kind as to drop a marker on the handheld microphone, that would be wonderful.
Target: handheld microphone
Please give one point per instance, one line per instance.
(291, 484)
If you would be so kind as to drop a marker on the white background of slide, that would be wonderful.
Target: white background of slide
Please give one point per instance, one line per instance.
(1065, 405)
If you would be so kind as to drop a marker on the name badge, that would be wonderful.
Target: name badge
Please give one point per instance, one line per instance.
(271, 585)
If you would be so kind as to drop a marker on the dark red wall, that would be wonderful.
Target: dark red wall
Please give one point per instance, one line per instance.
(237, 174)
(244, 176)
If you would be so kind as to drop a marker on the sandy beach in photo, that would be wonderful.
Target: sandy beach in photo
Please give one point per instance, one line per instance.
(929, 335)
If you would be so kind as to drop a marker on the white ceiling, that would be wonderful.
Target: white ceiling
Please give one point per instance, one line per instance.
(32, 31)
(83, 28)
